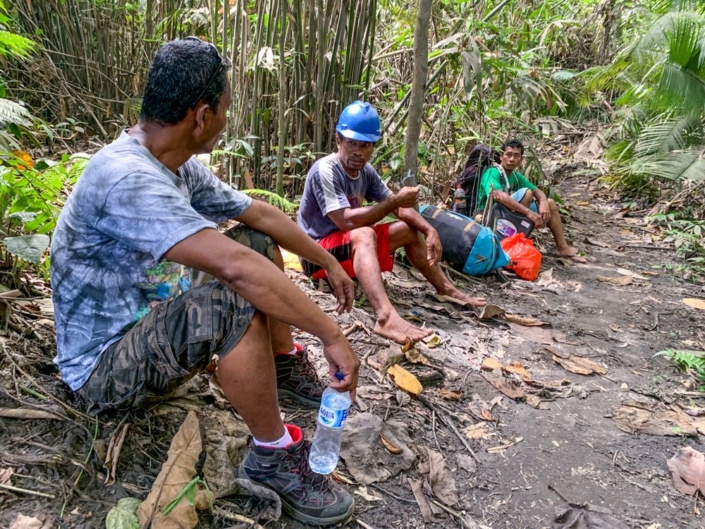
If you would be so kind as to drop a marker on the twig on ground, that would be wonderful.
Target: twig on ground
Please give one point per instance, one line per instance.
(236, 517)
(461, 519)
(433, 429)
(460, 275)
(25, 491)
(449, 422)
(384, 491)
(363, 524)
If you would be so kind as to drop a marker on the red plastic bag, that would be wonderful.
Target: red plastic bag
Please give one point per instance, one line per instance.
(526, 260)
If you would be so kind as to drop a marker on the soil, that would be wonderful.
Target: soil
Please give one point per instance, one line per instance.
(572, 443)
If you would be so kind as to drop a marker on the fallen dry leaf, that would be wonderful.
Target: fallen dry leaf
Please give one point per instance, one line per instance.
(510, 387)
(450, 299)
(367, 459)
(424, 505)
(490, 364)
(28, 413)
(124, 515)
(587, 517)
(405, 380)
(478, 431)
(490, 311)
(390, 447)
(415, 357)
(636, 417)
(688, 471)
(467, 463)
(450, 395)
(505, 444)
(621, 281)
(695, 303)
(176, 473)
(433, 341)
(595, 242)
(535, 402)
(40, 521)
(113, 455)
(5, 475)
(517, 368)
(441, 479)
(523, 320)
(579, 365)
(373, 393)
(385, 358)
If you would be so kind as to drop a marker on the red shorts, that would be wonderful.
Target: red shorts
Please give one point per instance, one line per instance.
(339, 246)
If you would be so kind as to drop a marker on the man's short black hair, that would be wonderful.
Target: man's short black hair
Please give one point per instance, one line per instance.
(514, 144)
(178, 74)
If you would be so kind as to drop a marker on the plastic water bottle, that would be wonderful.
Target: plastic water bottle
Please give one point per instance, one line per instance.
(325, 449)
(461, 203)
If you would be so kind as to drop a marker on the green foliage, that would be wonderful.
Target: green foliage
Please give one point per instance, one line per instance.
(273, 199)
(688, 237)
(687, 361)
(190, 492)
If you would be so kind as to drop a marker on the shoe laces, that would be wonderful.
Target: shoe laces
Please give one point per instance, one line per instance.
(306, 368)
(309, 478)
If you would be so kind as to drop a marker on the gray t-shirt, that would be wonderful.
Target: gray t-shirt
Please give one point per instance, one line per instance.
(329, 188)
(126, 211)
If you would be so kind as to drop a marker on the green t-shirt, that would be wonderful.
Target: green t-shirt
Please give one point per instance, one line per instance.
(493, 179)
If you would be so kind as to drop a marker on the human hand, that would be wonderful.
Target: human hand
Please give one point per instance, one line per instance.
(343, 287)
(545, 211)
(407, 197)
(536, 219)
(342, 359)
(434, 248)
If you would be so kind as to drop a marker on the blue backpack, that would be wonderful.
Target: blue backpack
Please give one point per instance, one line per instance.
(468, 247)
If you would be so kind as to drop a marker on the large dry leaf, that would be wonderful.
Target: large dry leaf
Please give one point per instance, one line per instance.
(636, 417)
(621, 281)
(40, 521)
(365, 454)
(176, 473)
(579, 365)
(695, 303)
(441, 480)
(524, 320)
(587, 517)
(510, 387)
(415, 357)
(405, 380)
(688, 471)
(28, 413)
(113, 453)
(518, 369)
(490, 364)
(425, 507)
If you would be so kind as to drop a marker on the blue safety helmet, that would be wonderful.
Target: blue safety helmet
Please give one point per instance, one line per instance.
(359, 121)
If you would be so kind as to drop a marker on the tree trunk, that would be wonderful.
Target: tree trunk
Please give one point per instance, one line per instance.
(418, 86)
(282, 99)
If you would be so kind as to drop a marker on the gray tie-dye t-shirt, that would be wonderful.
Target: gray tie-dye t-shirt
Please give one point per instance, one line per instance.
(126, 211)
(329, 188)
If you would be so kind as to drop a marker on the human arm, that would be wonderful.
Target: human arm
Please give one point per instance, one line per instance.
(259, 281)
(268, 219)
(540, 196)
(348, 219)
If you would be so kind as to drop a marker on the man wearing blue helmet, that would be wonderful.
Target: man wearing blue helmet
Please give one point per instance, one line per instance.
(333, 212)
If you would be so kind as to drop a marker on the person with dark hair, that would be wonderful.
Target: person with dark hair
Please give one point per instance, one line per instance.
(131, 323)
(333, 212)
(513, 190)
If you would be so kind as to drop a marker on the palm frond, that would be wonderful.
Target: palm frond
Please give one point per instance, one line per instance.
(11, 112)
(679, 30)
(665, 135)
(687, 164)
(14, 45)
(681, 88)
(273, 199)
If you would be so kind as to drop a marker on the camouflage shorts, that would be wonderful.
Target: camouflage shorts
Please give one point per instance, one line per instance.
(175, 340)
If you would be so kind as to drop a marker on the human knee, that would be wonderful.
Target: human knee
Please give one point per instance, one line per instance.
(363, 236)
(552, 205)
(528, 197)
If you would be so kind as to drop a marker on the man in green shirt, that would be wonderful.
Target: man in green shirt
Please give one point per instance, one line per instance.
(511, 189)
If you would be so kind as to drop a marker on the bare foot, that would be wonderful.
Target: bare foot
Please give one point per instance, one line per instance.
(571, 253)
(398, 329)
(457, 294)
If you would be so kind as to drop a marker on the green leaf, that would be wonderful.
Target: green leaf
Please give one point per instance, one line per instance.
(124, 515)
(28, 247)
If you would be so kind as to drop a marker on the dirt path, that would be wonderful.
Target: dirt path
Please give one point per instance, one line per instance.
(559, 432)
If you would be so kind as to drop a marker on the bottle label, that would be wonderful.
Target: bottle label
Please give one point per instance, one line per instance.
(332, 418)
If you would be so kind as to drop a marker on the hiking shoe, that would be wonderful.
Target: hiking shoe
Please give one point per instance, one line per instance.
(297, 378)
(306, 496)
